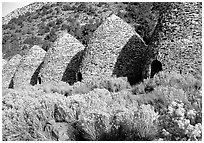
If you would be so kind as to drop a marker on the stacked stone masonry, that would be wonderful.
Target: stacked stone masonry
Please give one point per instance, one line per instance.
(8, 71)
(62, 61)
(115, 49)
(181, 42)
(27, 71)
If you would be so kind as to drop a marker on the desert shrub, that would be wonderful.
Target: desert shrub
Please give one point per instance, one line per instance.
(43, 29)
(160, 97)
(70, 19)
(51, 24)
(32, 40)
(90, 11)
(45, 10)
(49, 11)
(176, 123)
(87, 112)
(45, 7)
(49, 17)
(46, 45)
(163, 96)
(29, 19)
(18, 31)
(30, 115)
(25, 47)
(59, 21)
(148, 85)
(112, 84)
(5, 39)
(43, 19)
(186, 82)
(80, 88)
(57, 9)
(138, 89)
(86, 31)
(51, 36)
(12, 48)
(13, 38)
(58, 87)
(67, 7)
(143, 125)
(5, 26)
(27, 14)
(93, 126)
(65, 26)
(191, 83)
(16, 21)
(81, 7)
(36, 16)
(123, 126)
(11, 26)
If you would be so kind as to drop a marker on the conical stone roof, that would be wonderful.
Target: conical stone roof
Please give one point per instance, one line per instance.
(27, 70)
(115, 48)
(62, 61)
(9, 70)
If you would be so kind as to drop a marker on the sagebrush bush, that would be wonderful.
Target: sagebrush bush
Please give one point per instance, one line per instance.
(186, 82)
(94, 126)
(176, 123)
(105, 109)
(27, 115)
(80, 88)
(59, 87)
(112, 84)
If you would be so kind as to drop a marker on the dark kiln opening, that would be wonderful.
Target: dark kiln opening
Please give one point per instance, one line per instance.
(156, 67)
(79, 76)
(39, 80)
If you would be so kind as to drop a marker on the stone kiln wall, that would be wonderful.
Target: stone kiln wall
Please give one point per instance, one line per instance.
(181, 43)
(26, 72)
(115, 48)
(62, 60)
(9, 70)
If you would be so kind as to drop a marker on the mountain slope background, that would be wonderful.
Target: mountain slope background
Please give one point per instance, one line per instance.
(38, 23)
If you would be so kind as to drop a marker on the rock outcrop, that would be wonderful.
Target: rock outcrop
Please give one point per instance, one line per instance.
(62, 61)
(115, 49)
(28, 69)
(9, 70)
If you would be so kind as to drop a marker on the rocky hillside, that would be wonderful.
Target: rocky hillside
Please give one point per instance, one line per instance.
(22, 11)
(40, 26)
